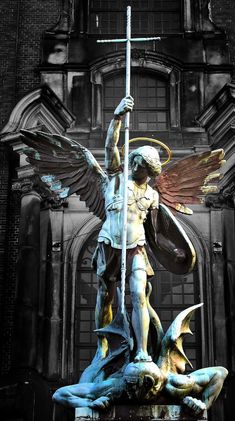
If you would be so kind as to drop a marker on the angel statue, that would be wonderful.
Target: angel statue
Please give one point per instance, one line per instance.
(149, 220)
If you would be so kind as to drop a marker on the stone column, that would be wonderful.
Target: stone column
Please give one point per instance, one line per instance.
(188, 20)
(219, 293)
(25, 347)
(218, 118)
(53, 308)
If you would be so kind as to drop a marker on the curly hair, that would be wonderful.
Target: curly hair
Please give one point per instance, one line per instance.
(150, 157)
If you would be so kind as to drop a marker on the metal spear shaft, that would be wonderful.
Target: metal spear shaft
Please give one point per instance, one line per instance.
(125, 190)
(128, 41)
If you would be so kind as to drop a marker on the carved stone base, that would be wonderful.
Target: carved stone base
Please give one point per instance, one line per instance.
(139, 413)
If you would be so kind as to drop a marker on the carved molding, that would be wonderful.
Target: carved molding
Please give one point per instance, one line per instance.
(40, 107)
(140, 60)
(34, 185)
(225, 198)
(65, 22)
(217, 105)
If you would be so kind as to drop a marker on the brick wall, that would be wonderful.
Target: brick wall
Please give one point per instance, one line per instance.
(21, 31)
(35, 17)
(9, 234)
(8, 36)
(9, 286)
(223, 15)
(4, 191)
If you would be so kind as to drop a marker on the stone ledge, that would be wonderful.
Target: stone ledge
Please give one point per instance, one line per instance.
(139, 413)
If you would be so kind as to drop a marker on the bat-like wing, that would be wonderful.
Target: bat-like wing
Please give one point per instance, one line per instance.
(188, 180)
(71, 164)
(172, 358)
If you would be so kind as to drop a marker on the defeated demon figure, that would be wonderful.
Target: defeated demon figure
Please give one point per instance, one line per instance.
(147, 382)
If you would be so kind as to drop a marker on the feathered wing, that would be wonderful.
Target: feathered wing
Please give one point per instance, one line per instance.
(172, 358)
(188, 180)
(70, 163)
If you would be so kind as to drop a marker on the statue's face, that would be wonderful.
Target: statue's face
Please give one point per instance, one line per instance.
(142, 387)
(138, 169)
(143, 380)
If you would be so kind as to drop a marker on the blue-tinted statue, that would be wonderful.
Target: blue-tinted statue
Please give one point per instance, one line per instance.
(123, 369)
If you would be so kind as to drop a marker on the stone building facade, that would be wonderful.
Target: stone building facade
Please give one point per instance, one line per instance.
(57, 78)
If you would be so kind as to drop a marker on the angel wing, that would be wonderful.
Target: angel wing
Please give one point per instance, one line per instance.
(187, 180)
(172, 357)
(71, 164)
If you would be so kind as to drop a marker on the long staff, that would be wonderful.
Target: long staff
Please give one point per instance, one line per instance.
(128, 41)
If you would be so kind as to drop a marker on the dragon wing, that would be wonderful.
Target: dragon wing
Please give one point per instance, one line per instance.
(120, 340)
(187, 180)
(70, 163)
(172, 357)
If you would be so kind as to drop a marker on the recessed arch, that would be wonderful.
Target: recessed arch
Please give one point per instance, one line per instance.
(143, 62)
(90, 225)
(201, 277)
(204, 273)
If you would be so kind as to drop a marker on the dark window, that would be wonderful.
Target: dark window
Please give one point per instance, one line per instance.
(151, 101)
(170, 294)
(148, 16)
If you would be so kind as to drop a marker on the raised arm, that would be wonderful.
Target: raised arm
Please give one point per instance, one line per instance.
(112, 157)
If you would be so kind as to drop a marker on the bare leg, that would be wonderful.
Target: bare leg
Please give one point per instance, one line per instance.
(73, 396)
(103, 313)
(205, 384)
(93, 395)
(213, 389)
(140, 314)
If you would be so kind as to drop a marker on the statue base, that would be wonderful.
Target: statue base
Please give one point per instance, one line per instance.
(139, 413)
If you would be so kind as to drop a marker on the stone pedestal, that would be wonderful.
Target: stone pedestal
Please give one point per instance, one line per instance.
(139, 413)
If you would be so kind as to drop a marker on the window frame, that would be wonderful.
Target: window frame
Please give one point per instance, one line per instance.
(151, 31)
(135, 89)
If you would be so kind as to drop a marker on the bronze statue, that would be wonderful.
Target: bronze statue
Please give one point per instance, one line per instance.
(148, 220)
(151, 382)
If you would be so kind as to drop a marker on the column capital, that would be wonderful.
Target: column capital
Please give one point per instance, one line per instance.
(26, 186)
(225, 198)
(34, 185)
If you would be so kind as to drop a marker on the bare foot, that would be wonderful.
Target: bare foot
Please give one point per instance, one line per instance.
(142, 356)
(195, 404)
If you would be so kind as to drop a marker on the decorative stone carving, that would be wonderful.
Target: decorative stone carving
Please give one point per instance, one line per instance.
(66, 19)
(225, 197)
(48, 198)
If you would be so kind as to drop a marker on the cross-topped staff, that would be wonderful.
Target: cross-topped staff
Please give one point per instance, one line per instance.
(128, 41)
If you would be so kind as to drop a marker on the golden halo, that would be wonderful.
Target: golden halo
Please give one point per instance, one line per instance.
(149, 139)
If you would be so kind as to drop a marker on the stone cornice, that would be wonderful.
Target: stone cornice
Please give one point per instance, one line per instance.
(224, 98)
(225, 198)
(32, 184)
(40, 107)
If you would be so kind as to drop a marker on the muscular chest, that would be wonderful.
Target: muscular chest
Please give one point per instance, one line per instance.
(139, 199)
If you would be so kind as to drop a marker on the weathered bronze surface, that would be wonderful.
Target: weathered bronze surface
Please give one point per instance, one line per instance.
(123, 369)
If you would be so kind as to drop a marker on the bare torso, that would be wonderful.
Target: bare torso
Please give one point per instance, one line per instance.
(141, 198)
